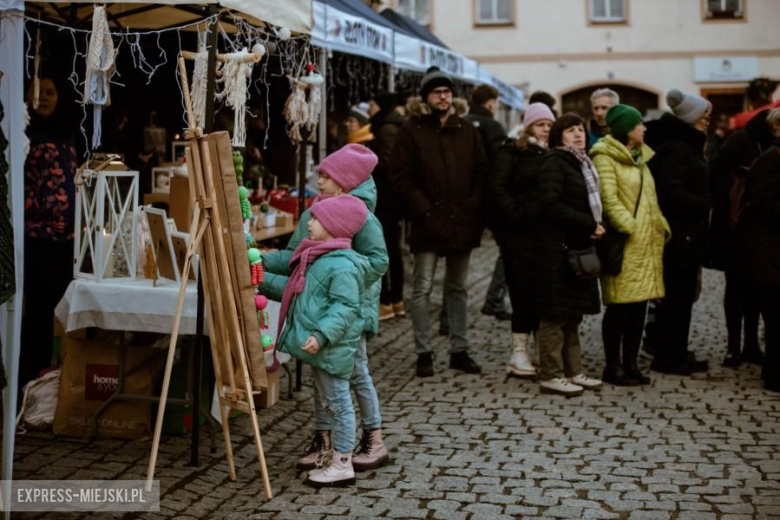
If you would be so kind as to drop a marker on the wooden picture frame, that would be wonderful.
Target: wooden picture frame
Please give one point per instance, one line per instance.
(161, 179)
(178, 151)
(162, 245)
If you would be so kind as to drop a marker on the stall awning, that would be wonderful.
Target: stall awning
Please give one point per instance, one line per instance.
(350, 33)
(137, 14)
(411, 27)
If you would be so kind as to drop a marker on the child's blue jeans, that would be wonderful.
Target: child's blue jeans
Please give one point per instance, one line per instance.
(367, 398)
(335, 402)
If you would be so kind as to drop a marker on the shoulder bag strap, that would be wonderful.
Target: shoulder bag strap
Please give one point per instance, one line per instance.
(641, 187)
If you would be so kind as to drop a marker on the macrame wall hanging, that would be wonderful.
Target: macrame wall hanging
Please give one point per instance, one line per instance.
(199, 81)
(234, 76)
(100, 60)
(301, 112)
(37, 74)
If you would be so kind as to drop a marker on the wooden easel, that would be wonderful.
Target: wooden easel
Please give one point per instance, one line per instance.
(204, 155)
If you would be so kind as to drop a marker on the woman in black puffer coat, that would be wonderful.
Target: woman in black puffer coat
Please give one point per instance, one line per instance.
(682, 183)
(568, 216)
(515, 172)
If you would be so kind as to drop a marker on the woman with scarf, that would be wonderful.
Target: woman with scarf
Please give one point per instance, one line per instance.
(348, 170)
(49, 215)
(321, 313)
(631, 210)
(569, 219)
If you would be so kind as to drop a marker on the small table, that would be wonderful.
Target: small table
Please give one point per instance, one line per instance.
(133, 305)
(274, 232)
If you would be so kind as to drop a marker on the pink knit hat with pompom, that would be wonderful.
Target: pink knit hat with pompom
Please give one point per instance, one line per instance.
(350, 166)
(342, 216)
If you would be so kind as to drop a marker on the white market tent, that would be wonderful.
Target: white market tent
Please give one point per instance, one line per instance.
(338, 30)
(293, 14)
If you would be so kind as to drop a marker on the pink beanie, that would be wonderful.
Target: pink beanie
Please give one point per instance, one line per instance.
(350, 166)
(341, 216)
(537, 112)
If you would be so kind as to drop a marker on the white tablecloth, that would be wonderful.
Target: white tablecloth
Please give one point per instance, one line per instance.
(134, 305)
(122, 304)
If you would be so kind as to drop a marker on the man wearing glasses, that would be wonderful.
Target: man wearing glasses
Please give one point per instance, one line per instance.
(438, 165)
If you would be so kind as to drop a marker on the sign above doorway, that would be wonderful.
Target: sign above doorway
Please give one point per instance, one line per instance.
(725, 69)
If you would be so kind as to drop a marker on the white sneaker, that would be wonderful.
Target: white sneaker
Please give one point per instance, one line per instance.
(322, 461)
(338, 473)
(519, 364)
(560, 386)
(586, 382)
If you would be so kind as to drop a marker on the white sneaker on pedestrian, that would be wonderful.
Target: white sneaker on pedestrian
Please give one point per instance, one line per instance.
(586, 382)
(338, 473)
(519, 364)
(560, 386)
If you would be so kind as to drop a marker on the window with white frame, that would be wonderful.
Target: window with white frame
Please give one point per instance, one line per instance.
(607, 11)
(494, 12)
(418, 10)
(724, 9)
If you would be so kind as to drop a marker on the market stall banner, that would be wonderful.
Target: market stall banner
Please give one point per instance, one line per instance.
(510, 95)
(418, 55)
(336, 30)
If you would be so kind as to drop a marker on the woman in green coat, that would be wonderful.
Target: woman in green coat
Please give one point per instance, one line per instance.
(631, 208)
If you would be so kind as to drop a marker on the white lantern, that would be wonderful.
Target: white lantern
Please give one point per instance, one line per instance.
(106, 212)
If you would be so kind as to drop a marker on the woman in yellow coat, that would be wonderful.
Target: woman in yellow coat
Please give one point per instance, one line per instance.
(630, 207)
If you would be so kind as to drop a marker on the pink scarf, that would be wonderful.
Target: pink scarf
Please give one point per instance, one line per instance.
(306, 253)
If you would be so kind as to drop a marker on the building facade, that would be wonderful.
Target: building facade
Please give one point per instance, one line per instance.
(641, 48)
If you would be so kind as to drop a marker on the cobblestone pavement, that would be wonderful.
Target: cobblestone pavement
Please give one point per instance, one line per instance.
(488, 447)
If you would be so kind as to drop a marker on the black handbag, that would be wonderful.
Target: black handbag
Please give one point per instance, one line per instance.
(584, 263)
(613, 244)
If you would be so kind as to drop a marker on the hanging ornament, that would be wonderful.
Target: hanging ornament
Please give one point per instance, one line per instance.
(199, 82)
(246, 207)
(271, 47)
(258, 49)
(236, 72)
(284, 34)
(296, 110)
(255, 265)
(100, 59)
(313, 80)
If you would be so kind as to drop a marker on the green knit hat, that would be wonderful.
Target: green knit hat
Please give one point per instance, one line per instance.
(621, 119)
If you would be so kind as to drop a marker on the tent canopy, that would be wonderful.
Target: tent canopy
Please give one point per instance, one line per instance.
(136, 14)
(411, 27)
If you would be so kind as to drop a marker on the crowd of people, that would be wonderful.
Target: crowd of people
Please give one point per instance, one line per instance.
(635, 208)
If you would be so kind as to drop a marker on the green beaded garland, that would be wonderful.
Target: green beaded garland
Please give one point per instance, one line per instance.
(254, 255)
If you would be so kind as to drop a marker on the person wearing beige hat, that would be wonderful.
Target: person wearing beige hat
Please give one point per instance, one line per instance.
(682, 181)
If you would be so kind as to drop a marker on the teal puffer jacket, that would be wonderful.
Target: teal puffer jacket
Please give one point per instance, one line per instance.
(328, 308)
(369, 242)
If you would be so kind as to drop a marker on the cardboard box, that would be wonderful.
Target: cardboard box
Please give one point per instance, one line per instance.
(90, 374)
(179, 208)
(151, 198)
(270, 396)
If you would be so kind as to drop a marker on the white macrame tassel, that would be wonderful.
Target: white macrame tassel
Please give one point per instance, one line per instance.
(315, 107)
(100, 59)
(198, 90)
(296, 111)
(235, 76)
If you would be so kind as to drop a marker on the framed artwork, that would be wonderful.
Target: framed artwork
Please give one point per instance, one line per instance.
(162, 244)
(178, 151)
(161, 179)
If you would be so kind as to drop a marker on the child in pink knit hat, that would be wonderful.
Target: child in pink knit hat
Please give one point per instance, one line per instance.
(323, 322)
(349, 171)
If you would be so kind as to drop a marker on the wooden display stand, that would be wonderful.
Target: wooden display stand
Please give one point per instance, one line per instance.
(209, 158)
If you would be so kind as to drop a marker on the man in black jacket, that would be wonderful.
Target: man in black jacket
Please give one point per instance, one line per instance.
(728, 171)
(438, 165)
(683, 188)
(484, 105)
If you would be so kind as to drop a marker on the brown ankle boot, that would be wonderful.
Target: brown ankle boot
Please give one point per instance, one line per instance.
(371, 452)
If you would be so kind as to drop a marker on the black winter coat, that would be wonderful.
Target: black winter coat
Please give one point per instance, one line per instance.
(563, 219)
(384, 126)
(683, 188)
(491, 131)
(760, 221)
(733, 161)
(440, 172)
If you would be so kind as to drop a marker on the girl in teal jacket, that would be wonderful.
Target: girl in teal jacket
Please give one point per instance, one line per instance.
(322, 323)
(349, 171)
